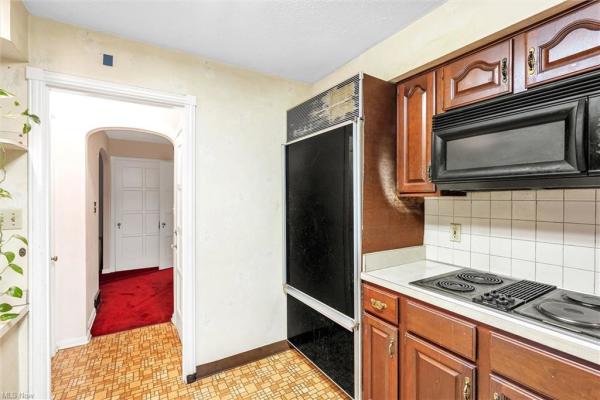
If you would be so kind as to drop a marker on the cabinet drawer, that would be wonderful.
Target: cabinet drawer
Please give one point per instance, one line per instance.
(546, 373)
(476, 77)
(503, 390)
(451, 333)
(380, 303)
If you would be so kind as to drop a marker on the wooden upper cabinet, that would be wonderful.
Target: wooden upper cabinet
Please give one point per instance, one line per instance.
(478, 76)
(415, 112)
(380, 359)
(432, 373)
(564, 46)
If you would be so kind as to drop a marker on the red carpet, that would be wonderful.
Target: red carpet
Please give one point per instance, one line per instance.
(131, 299)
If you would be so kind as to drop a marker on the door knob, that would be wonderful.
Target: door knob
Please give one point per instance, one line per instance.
(173, 246)
(163, 224)
(55, 259)
(118, 225)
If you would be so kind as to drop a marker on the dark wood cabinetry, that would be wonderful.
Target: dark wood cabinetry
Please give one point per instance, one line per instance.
(553, 49)
(432, 354)
(432, 373)
(478, 76)
(380, 359)
(546, 373)
(501, 389)
(563, 46)
(416, 106)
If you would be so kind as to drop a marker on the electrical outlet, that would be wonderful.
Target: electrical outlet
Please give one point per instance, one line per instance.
(11, 219)
(455, 232)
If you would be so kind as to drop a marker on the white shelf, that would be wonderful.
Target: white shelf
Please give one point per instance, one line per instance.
(15, 145)
(8, 325)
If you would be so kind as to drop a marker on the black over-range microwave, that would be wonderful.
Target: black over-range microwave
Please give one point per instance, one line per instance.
(546, 137)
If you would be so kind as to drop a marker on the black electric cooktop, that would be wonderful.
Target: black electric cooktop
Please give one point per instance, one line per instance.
(575, 312)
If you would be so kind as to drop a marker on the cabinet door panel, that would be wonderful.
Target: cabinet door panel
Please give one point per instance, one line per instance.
(431, 373)
(415, 111)
(380, 359)
(565, 46)
(503, 390)
(482, 75)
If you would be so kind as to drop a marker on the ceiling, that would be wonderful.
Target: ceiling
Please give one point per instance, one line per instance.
(297, 39)
(136, 136)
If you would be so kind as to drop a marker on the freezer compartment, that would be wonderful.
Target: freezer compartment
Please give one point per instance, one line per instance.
(326, 344)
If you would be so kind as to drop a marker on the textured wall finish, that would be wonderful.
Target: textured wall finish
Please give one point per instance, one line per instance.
(296, 39)
(551, 236)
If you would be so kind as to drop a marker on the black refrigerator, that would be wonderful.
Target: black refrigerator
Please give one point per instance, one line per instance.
(322, 191)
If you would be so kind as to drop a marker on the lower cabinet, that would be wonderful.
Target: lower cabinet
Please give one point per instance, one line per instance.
(426, 353)
(431, 373)
(380, 359)
(503, 390)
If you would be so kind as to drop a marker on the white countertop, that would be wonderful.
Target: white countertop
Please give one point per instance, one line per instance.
(398, 279)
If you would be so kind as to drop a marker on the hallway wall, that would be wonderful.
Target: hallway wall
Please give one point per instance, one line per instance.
(129, 148)
(75, 225)
(96, 143)
(240, 127)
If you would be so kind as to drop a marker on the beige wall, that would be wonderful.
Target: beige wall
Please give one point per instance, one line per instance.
(453, 26)
(97, 142)
(129, 148)
(13, 344)
(241, 123)
(240, 127)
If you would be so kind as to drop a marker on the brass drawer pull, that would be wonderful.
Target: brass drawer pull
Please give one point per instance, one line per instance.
(467, 389)
(391, 348)
(531, 61)
(378, 305)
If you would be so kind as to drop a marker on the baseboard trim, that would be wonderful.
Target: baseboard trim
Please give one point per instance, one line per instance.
(73, 342)
(91, 321)
(211, 368)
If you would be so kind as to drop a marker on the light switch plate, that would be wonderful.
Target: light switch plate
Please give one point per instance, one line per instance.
(11, 219)
(455, 232)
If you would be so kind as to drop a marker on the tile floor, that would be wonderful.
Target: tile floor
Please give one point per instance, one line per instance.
(145, 363)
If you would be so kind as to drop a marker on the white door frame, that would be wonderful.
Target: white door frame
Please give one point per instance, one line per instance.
(40, 82)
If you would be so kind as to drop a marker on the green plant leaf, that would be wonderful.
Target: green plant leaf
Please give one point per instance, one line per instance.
(22, 239)
(10, 256)
(15, 291)
(4, 307)
(5, 194)
(17, 103)
(26, 128)
(6, 93)
(16, 268)
(35, 118)
(6, 317)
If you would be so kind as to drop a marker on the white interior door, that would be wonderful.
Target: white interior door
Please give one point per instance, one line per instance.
(166, 214)
(177, 235)
(137, 213)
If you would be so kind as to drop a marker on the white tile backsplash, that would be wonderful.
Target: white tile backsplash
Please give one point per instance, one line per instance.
(500, 209)
(550, 211)
(580, 212)
(551, 236)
